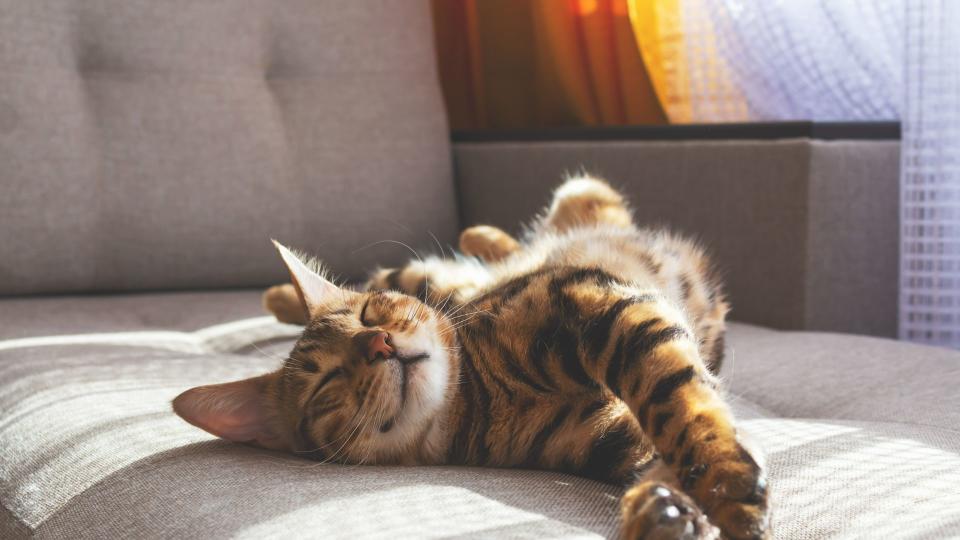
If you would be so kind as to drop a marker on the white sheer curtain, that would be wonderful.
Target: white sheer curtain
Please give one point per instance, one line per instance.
(930, 175)
(794, 59)
(852, 60)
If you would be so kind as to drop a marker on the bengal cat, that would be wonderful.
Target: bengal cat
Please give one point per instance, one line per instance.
(590, 347)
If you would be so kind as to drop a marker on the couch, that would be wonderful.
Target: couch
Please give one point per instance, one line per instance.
(149, 150)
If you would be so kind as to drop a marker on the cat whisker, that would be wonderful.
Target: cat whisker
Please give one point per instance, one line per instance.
(456, 326)
(426, 277)
(458, 317)
(267, 355)
(361, 407)
(398, 224)
(357, 440)
(436, 241)
(374, 391)
(457, 310)
(446, 301)
(336, 454)
(377, 422)
(331, 442)
(466, 315)
(459, 324)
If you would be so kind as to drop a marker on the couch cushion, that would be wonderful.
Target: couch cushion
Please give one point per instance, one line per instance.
(160, 145)
(844, 377)
(89, 447)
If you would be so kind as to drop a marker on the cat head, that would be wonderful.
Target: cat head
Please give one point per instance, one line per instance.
(366, 381)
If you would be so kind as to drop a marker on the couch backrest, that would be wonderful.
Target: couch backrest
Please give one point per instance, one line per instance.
(804, 231)
(152, 144)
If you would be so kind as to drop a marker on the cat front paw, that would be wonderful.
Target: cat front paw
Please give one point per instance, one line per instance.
(284, 303)
(655, 511)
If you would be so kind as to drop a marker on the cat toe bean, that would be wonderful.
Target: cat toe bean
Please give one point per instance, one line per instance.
(654, 511)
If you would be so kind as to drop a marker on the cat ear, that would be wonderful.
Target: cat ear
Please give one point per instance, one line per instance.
(238, 411)
(312, 288)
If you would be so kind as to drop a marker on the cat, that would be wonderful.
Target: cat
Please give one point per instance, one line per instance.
(590, 347)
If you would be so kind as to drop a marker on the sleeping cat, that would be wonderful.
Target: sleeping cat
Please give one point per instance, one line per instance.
(590, 347)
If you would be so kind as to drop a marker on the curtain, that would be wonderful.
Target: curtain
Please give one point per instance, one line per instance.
(741, 60)
(541, 63)
(930, 174)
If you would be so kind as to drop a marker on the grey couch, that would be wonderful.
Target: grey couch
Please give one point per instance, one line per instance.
(149, 149)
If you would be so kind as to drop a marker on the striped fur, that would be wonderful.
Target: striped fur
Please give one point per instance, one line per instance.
(589, 347)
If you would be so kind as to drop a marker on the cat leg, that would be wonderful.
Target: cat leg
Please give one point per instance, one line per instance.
(655, 368)
(586, 201)
(712, 329)
(285, 304)
(490, 244)
(590, 332)
(639, 347)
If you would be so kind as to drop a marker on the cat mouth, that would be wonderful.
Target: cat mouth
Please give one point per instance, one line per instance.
(408, 363)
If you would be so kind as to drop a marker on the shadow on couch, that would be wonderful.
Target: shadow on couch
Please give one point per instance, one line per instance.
(189, 491)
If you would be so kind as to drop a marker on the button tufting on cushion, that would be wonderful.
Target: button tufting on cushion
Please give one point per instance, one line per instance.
(157, 145)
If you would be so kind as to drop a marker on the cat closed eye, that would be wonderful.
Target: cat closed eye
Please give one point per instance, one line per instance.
(363, 314)
(329, 376)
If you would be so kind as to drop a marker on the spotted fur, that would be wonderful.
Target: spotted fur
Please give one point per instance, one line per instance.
(589, 347)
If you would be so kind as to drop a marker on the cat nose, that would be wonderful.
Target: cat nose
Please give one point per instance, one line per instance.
(379, 347)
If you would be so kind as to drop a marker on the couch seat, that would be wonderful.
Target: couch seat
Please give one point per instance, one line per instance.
(860, 435)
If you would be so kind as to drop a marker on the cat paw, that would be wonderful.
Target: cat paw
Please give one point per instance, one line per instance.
(587, 201)
(284, 303)
(490, 244)
(737, 500)
(655, 511)
(384, 279)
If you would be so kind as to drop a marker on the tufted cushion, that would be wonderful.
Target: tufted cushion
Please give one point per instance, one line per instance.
(159, 144)
(859, 435)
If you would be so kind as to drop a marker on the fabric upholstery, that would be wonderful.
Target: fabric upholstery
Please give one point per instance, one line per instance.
(853, 237)
(859, 436)
(805, 232)
(160, 145)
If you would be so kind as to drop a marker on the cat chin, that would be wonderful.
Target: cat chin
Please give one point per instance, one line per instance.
(425, 394)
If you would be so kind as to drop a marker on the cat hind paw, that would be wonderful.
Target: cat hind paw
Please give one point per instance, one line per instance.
(655, 511)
